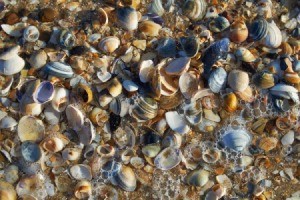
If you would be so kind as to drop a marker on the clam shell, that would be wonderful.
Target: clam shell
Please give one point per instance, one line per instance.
(54, 143)
(211, 155)
(176, 122)
(194, 9)
(168, 158)
(30, 151)
(85, 92)
(190, 45)
(288, 138)
(151, 150)
(58, 69)
(230, 102)
(218, 24)
(83, 189)
(8, 123)
(12, 66)
(81, 172)
(125, 136)
(197, 178)
(149, 28)
(144, 109)
(106, 151)
(10, 53)
(109, 44)
(236, 140)
(60, 99)
(127, 18)
(166, 47)
(7, 191)
(71, 154)
(245, 55)
(264, 80)
(238, 80)
(238, 31)
(217, 80)
(292, 77)
(188, 84)
(44, 92)
(6, 83)
(156, 7)
(178, 66)
(125, 178)
(31, 34)
(146, 70)
(285, 91)
(14, 30)
(11, 174)
(75, 117)
(268, 143)
(38, 59)
(258, 29)
(98, 116)
(273, 38)
(30, 128)
(247, 95)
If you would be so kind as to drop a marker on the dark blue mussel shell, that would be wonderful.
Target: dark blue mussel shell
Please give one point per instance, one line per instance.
(258, 29)
(215, 52)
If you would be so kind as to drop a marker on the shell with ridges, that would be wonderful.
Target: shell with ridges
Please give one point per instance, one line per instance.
(194, 9)
(238, 31)
(109, 44)
(238, 80)
(273, 38)
(245, 55)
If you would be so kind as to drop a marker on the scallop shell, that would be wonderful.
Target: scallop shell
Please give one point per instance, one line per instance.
(168, 158)
(127, 18)
(31, 34)
(197, 178)
(178, 66)
(109, 44)
(238, 31)
(58, 69)
(31, 151)
(81, 172)
(258, 29)
(273, 38)
(238, 80)
(194, 9)
(125, 178)
(60, 99)
(245, 55)
(236, 140)
(217, 80)
(149, 28)
(176, 122)
(30, 128)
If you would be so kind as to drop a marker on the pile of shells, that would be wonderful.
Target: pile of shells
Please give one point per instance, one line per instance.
(150, 99)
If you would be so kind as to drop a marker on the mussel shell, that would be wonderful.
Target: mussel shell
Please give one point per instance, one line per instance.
(66, 39)
(236, 140)
(58, 69)
(166, 47)
(31, 152)
(168, 158)
(217, 80)
(190, 45)
(127, 18)
(258, 29)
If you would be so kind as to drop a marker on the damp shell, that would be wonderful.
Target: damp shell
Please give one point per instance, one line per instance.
(258, 29)
(30, 128)
(106, 151)
(238, 31)
(236, 140)
(197, 178)
(273, 38)
(44, 92)
(127, 18)
(245, 55)
(146, 70)
(125, 178)
(178, 66)
(7, 191)
(58, 69)
(10, 62)
(168, 158)
(54, 143)
(81, 172)
(194, 9)
(75, 117)
(83, 189)
(66, 39)
(151, 150)
(149, 28)
(190, 45)
(217, 80)
(176, 122)
(87, 132)
(268, 143)
(60, 99)
(30, 151)
(285, 91)
(238, 80)
(218, 24)
(8, 123)
(264, 80)
(109, 44)
(156, 7)
(31, 34)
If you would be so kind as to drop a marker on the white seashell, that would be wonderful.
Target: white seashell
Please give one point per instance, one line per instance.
(178, 66)
(238, 80)
(75, 117)
(87, 132)
(157, 7)
(109, 44)
(8, 123)
(274, 37)
(38, 59)
(10, 53)
(176, 122)
(6, 85)
(30, 128)
(288, 138)
(51, 116)
(81, 172)
(224, 180)
(146, 70)
(60, 99)
(168, 158)
(12, 66)
(104, 76)
(130, 86)
(285, 91)
(14, 30)
(31, 34)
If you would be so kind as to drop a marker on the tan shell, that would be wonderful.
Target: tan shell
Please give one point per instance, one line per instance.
(7, 191)
(83, 189)
(268, 143)
(109, 44)
(246, 95)
(230, 102)
(292, 77)
(245, 55)
(286, 49)
(55, 143)
(238, 31)
(98, 116)
(30, 128)
(85, 92)
(238, 80)
(149, 28)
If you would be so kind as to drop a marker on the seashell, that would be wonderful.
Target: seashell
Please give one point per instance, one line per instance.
(210, 115)
(98, 116)
(85, 92)
(188, 84)
(31, 34)
(71, 154)
(130, 86)
(87, 132)
(6, 83)
(197, 178)
(156, 7)
(268, 143)
(75, 117)
(30, 151)
(258, 29)
(238, 80)
(28, 185)
(14, 30)
(11, 174)
(286, 49)
(285, 91)
(178, 66)
(125, 136)
(211, 12)
(146, 70)
(230, 102)
(107, 191)
(81, 172)
(125, 178)
(106, 151)
(119, 106)
(190, 45)
(44, 92)
(193, 112)
(10, 62)
(172, 140)
(38, 59)
(8, 123)
(218, 24)
(114, 87)
(7, 191)
(282, 105)
(127, 18)
(30, 128)
(150, 136)
(292, 77)
(126, 155)
(109, 44)
(238, 31)
(218, 50)
(176, 122)
(245, 55)
(211, 155)
(264, 80)
(273, 38)
(194, 9)
(10, 53)
(288, 138)
(151, 150)
(60, 99)
(89, 151)
(144, 109)
(137, 162)
(224, 181)
(54, 143)
(149, 28)
(236, 140)
(247, 95)
(83, 189)
(217, 80)
(168, 158)
(58, 69)
(166, 46)
(66, 39)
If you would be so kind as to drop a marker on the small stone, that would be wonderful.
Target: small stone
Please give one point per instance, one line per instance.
(12, 18)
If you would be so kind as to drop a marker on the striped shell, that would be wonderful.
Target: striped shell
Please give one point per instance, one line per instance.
(258, 29)
(194, 9)
(274, 37)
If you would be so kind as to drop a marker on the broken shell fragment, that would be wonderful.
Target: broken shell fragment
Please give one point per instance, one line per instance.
(238, 31)
(178, 66)
(83, 189)
(75, 117)
(194, 9)
(60, 99)
(149, 28)
(44, 92)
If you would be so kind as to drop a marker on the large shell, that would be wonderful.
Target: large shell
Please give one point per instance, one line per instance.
(258, 29)
(109, 44)
(236, 140)
(31, 151)
(217, 80)
(238, 31)
(168, 158)
(285, 91)
(245, 55)
(30, 128)
(58, 69)
(194, 9)
(176, 122)
(10, 62)
(31, 34)
(238, 80)
(125, 178)
(127, 18)
(197, 177)
(273, 38)
(149, 28)
(60, 99)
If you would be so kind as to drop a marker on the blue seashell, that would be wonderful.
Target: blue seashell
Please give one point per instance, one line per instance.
(155, 18)
(258, 29)
(44, 92)
(215, 52)
(236, 140)
(217, 80)
(190, 45)
(31, 151)
(168, 158)
(58, 69)
(166, 47)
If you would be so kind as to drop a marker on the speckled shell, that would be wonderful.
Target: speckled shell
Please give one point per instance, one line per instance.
(58, 69)
(194, 9)
(217, 80)
(273, 38)
(236, 140)
(258, 29)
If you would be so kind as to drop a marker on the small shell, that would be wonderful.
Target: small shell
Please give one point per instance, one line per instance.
(146, 70)
(273, 38)
(87, 132)
(268, 143)
(127, 18)
(236, 140)
(264, 80)
(7, 191)
(217, 80)
(125, 136)
(238, 31)
(106, 151)
(38, 59)
(292, 77)
(54, 143)
(172, 140)
(218, 24)
(11, 174)
(286, 49)
(178, 66)
(6, 83)
(85, 92)
(60, 99)
(245, 55)
(211, 155)
(247, 95)
(197, 178)
(168, 158)
(10, 53)
(44, 92)
(75, 117)
(126, 155)
(176, 122)
(149, 28)
(8, 123)
(230, 102)
(30, 128)
(188, 84)
(10, 62)
(194, 9)
(288, 138)
(30, 151)
(190, 45)
(109, 44)
(31, 34)
(83, 189)
(285, 91)
(144, 109)
(14, 30)
(224, 181)
(238, 80)
(108, 192)
(29, 184)
(151, 150)
(114, 87)
(66, 39)
(125, 178)
(258, 29)
(71, 154)
(81, 172)
(58, 69)
(137, 162)
(98, 116)
(130, 86)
